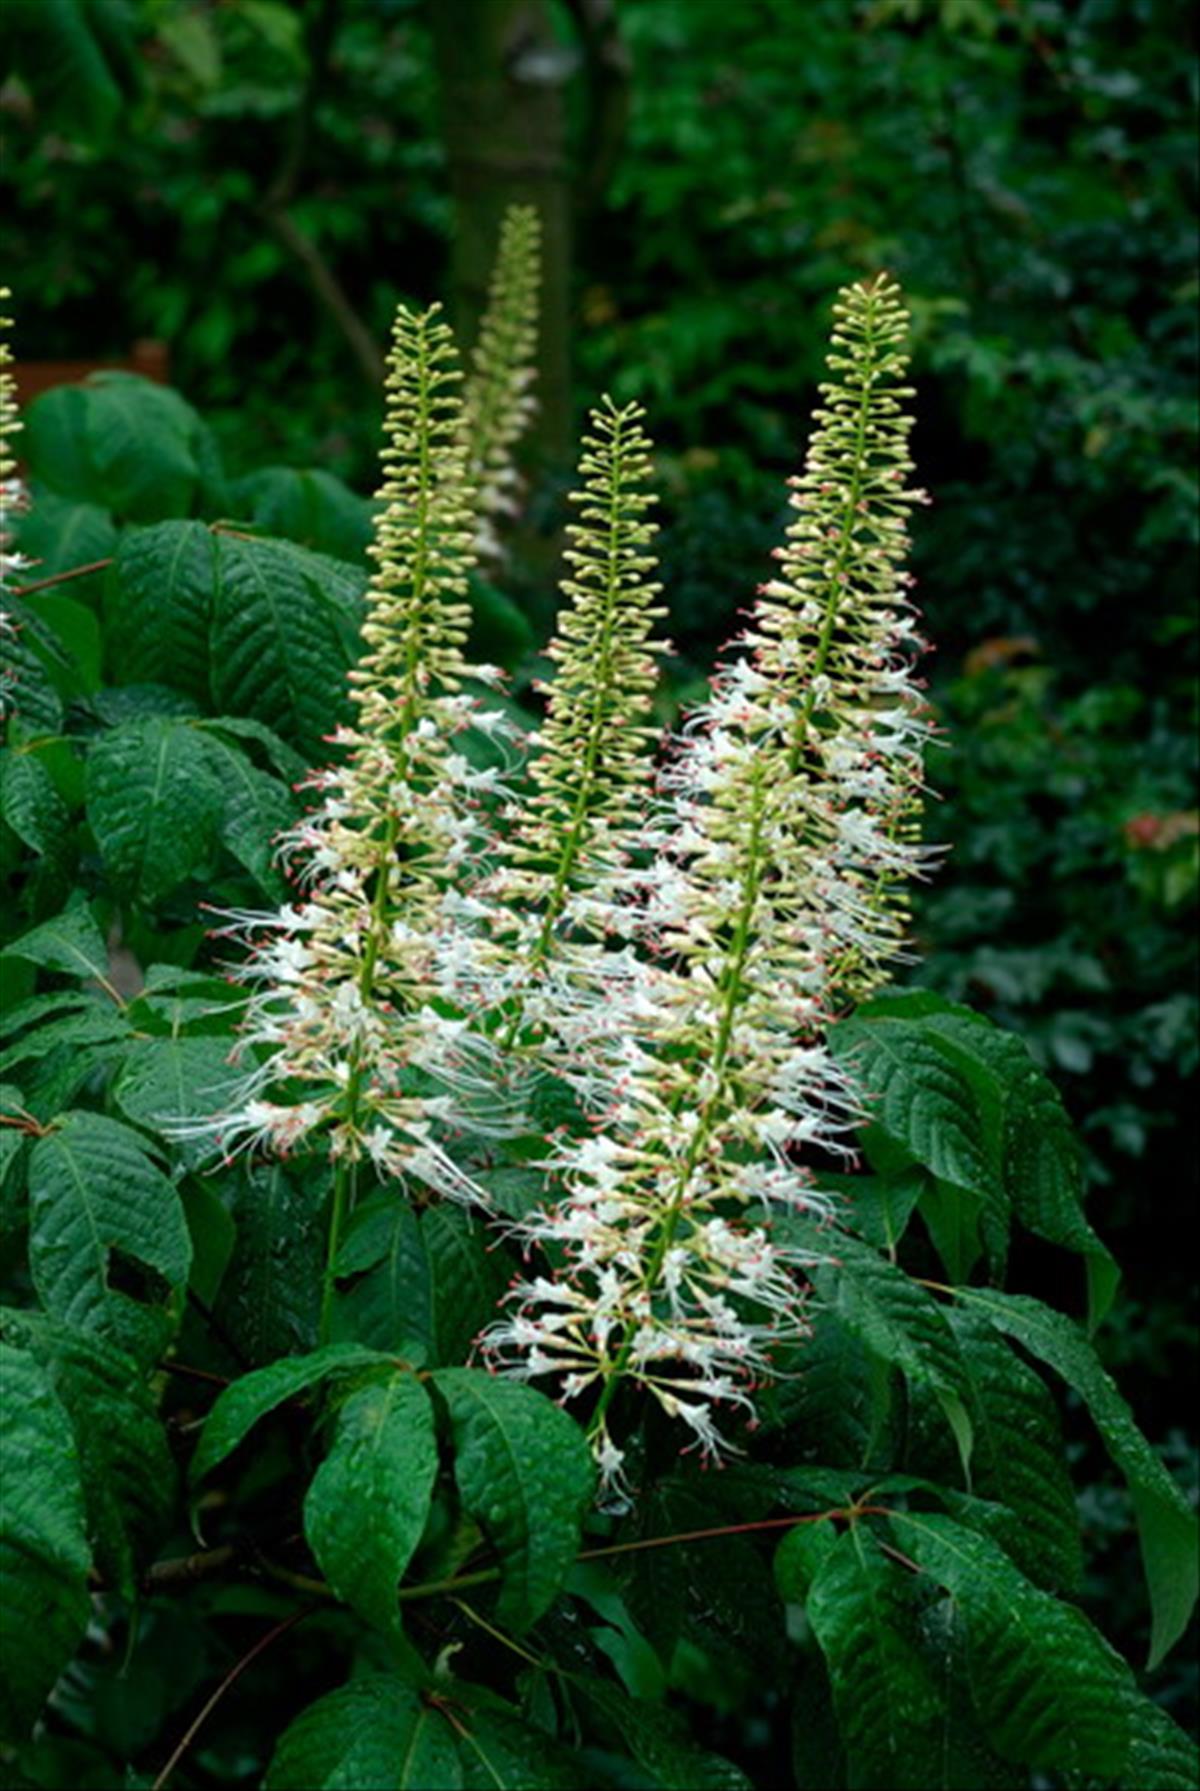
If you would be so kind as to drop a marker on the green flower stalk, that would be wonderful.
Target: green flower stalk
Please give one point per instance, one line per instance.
(498, 399)
(785, 829)
(563, 890)
(346, 1017)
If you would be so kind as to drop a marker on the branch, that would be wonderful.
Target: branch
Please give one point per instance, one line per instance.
(60, 578)
(231, 1678)
(328, 290)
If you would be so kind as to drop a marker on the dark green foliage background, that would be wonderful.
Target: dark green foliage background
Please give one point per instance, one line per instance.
(1027, 171)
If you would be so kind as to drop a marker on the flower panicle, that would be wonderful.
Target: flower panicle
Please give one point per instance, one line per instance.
(562, 885)
(499, 402)
(785, 828)
(13, 500)
(346, 1020)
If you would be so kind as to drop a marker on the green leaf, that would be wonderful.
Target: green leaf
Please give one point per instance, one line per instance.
(153, 803)
(279, 754)
(32, 695)
(122, 442)
(71, 942)
(44, 1556)
(718, 1598)
(38, 1007)
(917, 1097)
(30, 804)
(431, 1279)
(144, 441)
(271, 1291)
(78, 61)
(862, 1614)
(967, 1101)
(213, 1235)
(164, 1081)
(257, 808)
(818, 1758)
(659, 1742)
(62, 535)
(309, 506)
(1019, 1455)
(877, 1207)
(159, 606)
(1162, 1756)
(900, 1323)
(94, 1191)
(75, 629)
(961, 1758)
(499, 1753)
(369, 1500)
(525, 1474)
(285, 632)
(127, 1470)
(98, 1024)
(247, 1401)
(800, 1556)
(1048, 1689)
(836, 1400)
(1166, 1523)
(375, 1734)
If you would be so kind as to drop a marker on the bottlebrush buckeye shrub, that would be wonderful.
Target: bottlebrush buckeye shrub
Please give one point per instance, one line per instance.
(420, 1181)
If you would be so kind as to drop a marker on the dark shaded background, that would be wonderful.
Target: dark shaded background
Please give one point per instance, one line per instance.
(255, 184)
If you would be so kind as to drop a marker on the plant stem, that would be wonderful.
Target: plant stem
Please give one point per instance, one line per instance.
(343, 1199)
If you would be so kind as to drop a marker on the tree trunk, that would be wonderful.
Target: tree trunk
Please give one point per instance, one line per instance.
(503, 73)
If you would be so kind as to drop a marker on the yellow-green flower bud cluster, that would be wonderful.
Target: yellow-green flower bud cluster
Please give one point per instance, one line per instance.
(498, 397)
(12, 501)
(561, 892)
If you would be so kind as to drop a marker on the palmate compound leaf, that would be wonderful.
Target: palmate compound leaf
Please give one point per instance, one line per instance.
(863, 1614)
(128, 1473)
(525, 1474)
(284, 632)
(153, 803)
(369, 1500)
(967, 1102)
(44, 1554)
(1047, 1688)
(95, 1191)
(1166, 1522)
(159, 604)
